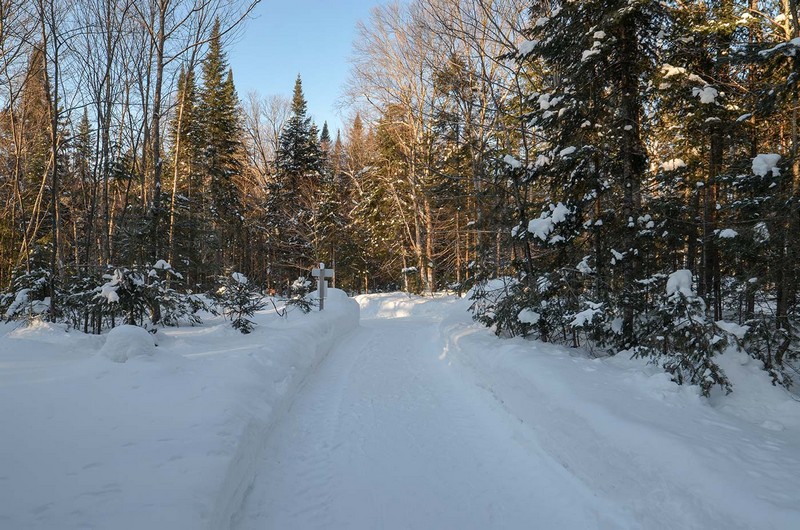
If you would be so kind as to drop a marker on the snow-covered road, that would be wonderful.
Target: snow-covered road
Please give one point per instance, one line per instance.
(385, 435)
(415, 418)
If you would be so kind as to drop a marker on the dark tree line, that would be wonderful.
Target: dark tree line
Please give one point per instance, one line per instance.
(617, 175)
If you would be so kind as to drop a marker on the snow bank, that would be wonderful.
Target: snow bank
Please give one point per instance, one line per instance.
(160, 441)
(668, 457)
(661, 454)
(401, 305)
(125, 342)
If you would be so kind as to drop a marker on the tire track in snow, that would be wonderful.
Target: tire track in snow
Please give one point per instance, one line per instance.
(385, 436)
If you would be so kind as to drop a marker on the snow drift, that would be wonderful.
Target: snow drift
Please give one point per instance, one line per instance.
(162, 440)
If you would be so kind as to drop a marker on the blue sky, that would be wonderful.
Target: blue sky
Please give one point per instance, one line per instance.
(309, 37)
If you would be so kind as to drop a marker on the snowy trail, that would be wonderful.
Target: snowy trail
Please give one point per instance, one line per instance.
(384, 435)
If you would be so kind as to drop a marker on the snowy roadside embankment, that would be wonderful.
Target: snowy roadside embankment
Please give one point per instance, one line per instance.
(660, 452)
(114, 437)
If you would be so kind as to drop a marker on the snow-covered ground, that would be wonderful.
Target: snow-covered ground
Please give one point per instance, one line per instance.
(417, 418)
(661, 453)
(164, 440)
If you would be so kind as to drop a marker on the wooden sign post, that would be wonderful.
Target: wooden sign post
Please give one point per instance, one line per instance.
(322, 275)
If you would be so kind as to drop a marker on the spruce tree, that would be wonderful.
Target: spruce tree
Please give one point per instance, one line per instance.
(293, 202)
(298, 157)
(221, 139)
(588, 119)
(188, 198)
(325, 138)
(82, 162)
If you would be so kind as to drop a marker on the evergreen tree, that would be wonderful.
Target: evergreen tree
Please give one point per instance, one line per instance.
(682, 338)
(82, 167)
(239, 300)
(26, 148)
(33, 114)
(337, 156)
(188, 201)
(598, 57)
(293, 201)
(222, 144)
(298, 157)
(325, 138)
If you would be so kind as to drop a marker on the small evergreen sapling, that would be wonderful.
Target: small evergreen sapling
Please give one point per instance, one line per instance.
(173, 306)
(238, 301)
(79, 304)
(28, 297)
(777, 348)
(124, 293)
(301, 287)
(145, 292)
(682, 340)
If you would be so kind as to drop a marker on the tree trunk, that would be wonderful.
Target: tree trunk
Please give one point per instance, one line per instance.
(430, 273)
(633, 166)
(156, 145)
(52, 90)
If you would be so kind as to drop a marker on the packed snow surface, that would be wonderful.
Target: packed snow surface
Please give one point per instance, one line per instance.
(164, 440)
(416, 418)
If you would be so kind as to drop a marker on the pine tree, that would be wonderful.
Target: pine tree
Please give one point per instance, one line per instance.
(188, 196)
(325, 138)
(293, 202)
(298, 157)
(767, 195)
(683, 339)
(366, 208)
(222, 144)
(598, 57)
(26, 130)
(337, 156)
(33, 115)
(239, 300)
(82, 168)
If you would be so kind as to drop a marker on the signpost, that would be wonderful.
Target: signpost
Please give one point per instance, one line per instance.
(322, 274)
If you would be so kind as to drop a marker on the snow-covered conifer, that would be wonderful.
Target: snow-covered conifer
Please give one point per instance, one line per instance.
(238, 299)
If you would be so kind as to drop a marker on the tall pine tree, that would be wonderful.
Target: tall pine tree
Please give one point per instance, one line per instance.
(293, 201)
(188, 198)
(222, 144)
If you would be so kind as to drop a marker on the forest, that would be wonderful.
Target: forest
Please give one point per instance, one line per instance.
(615, 175)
